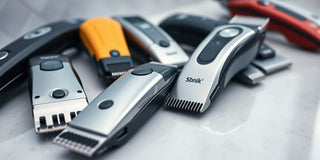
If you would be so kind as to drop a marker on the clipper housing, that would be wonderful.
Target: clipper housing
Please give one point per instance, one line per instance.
(56, 92)
(105, 41)
(116, 118)
(190, 30)
(223, 53)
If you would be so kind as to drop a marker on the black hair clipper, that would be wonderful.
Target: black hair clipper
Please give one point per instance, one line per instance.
(56, 92)
(153, 40)
(53, 37)
(223, 53)
(113, 116)
(190, 30)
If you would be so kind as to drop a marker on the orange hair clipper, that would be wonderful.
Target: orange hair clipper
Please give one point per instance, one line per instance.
(105, 41)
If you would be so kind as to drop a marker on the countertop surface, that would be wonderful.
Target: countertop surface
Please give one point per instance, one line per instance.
(278, 119)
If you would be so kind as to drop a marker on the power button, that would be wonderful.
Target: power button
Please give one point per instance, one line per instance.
(229, 32)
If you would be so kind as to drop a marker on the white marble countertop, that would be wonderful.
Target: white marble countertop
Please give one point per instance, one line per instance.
(278, 119)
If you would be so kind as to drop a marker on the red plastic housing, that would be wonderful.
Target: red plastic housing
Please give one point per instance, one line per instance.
(300, 31)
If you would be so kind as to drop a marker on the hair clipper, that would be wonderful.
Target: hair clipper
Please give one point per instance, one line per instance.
(53, 37)
(297, 24)
(109, 120)
(105, 41)
(153, 40)
(224, 52)
(192, 29)
(56, 92)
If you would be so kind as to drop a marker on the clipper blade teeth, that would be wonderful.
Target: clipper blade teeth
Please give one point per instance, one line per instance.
(76, 142)
(117, 74)
(118, 69)
(54, 122)
(184, 105)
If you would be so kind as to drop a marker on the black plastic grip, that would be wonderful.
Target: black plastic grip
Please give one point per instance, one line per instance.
(211, 51)
(215, 45)
(188, 29)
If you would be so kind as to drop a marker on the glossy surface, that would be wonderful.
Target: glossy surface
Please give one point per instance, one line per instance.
(278, 119)
(103, 37)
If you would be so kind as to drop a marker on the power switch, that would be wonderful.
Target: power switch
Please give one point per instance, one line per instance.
(106, 104)
(229, 32)
(141, 71)
(51, 65)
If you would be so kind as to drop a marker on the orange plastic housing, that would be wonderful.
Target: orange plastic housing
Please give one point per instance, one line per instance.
(102, 35)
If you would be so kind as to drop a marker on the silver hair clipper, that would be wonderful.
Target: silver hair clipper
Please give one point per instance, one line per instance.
(189, 30)
(153, 40)
(56, 92)
(112, 117)
(224, 52)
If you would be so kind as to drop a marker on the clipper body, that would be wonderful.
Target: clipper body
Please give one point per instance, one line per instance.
(56, 92)
(115, 118)
(153, 40)
(297, 24)
(191, 30)
(223, 53)
(53, 37)
(105, 41)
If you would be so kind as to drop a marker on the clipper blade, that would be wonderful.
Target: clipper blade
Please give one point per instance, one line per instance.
(79, 141)
(52, 117)
(114, 67)
(184, 105)
(117, 74)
